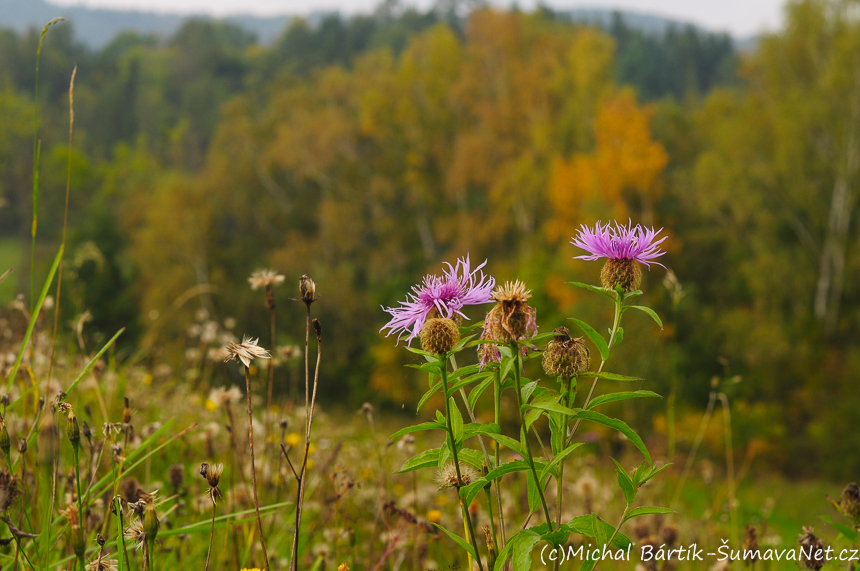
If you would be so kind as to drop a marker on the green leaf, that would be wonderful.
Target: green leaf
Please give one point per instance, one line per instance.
(550, 407)
(434, 367)
(465, 545)
(558, 458)
(654, 471)
(524, 545)
(505, 553)
(474, 428)
(472, 458)
(419, 351)
(533, 494)
(630, 294)
(646, 510)
(444, 455)
(619, 336)
(596, 289)
(618, 425)
(647, 310)
(423, 460)
(417, 428)
(609, 377)
(612, 397)
(37, 308)
(469, 492)
(626, 483)
(584, 525)
(640, 471)
(464, 371)
(528, 390)
(595, 337)
(479, 390)
(429, 393)
(508, 442)
(844, 530)
(548, 397)
(599, 530)
(456, 420)
(462, 343)
(588, 565)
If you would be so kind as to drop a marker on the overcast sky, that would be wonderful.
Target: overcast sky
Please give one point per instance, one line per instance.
(739, 17)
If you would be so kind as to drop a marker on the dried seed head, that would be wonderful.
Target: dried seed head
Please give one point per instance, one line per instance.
(176, 475)
(22, 445)
(849, 501)
(343, 567)
(100, 540)
(284, 423)
(130, 490)
(439, 335)
(8, 489)
(100, 564)
(126, 412)
(212, 473)
(447, 478)
(307, 290)
(135, 533)
(622, 272)
(87, 432)
(265, 279)
(512, 318)
(491, 547)
(810, 546)
(246, 351)
(669, 534)
(4, 399)
(565, 356)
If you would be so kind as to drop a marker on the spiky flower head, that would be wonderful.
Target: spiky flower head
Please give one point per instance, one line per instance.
(447, 477)
(436, 296)
(511, 319)
(265, 279)
(439, 335)
(212, 473)
(565, 356)
(811, 549)
(622, 246)
(246, 351)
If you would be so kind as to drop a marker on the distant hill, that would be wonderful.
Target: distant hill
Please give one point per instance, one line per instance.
(96, 27)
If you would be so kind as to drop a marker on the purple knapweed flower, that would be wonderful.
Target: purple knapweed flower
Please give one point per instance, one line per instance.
(621, 242)
(445, 296)
(622, 246)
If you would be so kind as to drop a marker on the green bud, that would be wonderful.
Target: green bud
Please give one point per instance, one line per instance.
(5, 441)
(73, 431)
(150, 522)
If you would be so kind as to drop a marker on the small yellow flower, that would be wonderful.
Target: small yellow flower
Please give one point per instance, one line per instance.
(441, 500)
(293, 439)
(275, 409)
(310, 463)
(398, 490)
(434, 516)
(312, 448)
(147, 379)
(210, 405)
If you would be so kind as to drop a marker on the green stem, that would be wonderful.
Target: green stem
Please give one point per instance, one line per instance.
(497, 395)
(528, 449)
(618, 527)
(453, 445)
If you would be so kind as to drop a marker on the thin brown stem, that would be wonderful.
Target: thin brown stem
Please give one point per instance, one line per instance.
(253, 467)
(211, 535)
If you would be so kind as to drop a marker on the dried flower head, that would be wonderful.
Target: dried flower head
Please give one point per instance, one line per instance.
(246, 351)
(265, 279)
(511, 319)
(750, 551)
(307, 290)
(565, 356)
(849, 502)
(8, 489)
(100, 564)
(176, 475)
(212, 473)
(223, 396)
(135, 533)
(811, 547)
(440, 297)
(622, 246)
(447, 478)
(439, 335)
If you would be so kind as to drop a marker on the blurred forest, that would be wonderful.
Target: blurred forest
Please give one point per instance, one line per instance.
(366, 151)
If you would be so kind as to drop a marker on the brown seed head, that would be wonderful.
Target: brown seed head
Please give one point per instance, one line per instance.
(810, 546)
(176, 475)
(512, 318)
(126, 412)
(565, 356)
(849, 501)
(212, 473)
(750, 546)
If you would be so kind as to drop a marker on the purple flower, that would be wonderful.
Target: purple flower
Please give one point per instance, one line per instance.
(621, 242)
(458, 287)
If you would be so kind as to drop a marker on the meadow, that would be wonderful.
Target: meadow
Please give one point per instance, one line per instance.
(452, 362)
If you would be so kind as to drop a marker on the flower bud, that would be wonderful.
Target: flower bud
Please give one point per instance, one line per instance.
(5, 441)
(307, 290)
(73, 431)
(439, 335)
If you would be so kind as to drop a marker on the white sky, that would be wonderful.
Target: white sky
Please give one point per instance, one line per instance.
(739, 17)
